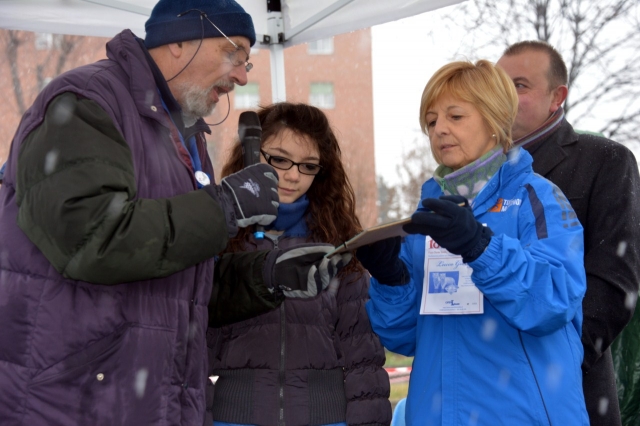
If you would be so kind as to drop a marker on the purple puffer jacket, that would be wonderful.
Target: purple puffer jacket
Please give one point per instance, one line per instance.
(75, 353)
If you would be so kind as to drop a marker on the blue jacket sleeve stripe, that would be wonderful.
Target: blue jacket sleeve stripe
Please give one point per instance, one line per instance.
(538, 212)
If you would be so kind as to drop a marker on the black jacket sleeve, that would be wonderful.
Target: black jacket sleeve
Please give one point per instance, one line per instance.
(76, 193)
(612, 251)
(239, 291)
(366, 382)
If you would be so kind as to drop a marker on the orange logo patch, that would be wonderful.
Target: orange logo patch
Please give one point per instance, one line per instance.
(498, 207)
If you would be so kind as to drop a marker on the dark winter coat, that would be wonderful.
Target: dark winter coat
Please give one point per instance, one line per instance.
(98, 190)
(310, 362)
(600, 179)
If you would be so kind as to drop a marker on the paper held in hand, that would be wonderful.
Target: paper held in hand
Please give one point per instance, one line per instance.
(373, 234)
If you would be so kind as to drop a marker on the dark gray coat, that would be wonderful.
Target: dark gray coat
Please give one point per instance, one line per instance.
(600, 179)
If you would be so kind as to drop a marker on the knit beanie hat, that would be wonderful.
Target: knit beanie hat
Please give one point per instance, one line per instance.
(165, 27)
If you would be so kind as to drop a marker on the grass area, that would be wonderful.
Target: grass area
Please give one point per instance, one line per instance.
(398, 390)
(397, 360)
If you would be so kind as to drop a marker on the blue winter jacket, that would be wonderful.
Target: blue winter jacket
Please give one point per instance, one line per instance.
(518, 363)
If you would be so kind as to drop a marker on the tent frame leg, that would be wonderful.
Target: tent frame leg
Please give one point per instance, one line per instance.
(276, 48)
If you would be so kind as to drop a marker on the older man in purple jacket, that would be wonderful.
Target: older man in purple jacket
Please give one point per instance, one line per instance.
(109, 222)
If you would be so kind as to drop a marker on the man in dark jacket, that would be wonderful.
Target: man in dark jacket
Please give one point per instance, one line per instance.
(600, 179)
(109, 223)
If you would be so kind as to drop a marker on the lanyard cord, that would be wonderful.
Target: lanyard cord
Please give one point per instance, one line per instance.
(192, 150)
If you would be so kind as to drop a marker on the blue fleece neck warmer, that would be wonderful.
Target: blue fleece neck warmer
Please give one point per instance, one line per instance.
(164, 26)
(291, 218)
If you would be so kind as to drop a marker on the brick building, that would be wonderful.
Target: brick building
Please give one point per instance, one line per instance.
(333, 74)
(29, 61)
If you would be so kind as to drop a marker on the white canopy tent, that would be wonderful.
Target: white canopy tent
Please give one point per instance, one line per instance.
(278, 23)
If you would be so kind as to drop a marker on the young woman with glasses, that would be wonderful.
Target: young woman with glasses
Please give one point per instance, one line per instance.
(314, 360)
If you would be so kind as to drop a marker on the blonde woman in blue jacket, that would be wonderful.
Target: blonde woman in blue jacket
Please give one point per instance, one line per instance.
(486, 290)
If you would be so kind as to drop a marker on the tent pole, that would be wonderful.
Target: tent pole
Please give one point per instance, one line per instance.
(276, 48)
(123, 5)
(327, 11)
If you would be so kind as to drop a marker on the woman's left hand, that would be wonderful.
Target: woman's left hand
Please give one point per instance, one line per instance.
(450, 222)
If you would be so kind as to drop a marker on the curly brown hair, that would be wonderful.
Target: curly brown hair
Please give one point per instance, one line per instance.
(331, 215)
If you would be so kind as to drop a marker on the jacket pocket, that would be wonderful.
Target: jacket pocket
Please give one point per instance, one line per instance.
(121, 379)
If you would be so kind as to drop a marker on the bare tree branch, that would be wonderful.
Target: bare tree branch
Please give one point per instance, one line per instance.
(68, 44)
(600, 43)
(12, 45)
(599, 40)
(417, 165)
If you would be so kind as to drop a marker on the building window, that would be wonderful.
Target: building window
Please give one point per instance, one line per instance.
(321, 47)
(321, 95)
(43, 41)
(247, 96)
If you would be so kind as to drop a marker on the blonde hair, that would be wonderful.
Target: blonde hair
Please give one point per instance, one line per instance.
(485, 86)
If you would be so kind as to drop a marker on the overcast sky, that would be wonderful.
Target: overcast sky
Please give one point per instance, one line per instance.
(405, 55)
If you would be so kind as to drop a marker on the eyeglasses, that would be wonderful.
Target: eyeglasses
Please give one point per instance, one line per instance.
(283, 163)
(237, 57)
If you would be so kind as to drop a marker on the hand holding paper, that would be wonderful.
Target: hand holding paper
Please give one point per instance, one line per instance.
(373, 234)
(302, 271)
(452, 226)
(382, 261)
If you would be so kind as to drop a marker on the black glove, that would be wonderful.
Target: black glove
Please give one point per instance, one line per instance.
(382, 261)
(302, 271)
(451, 226)
(253, 192)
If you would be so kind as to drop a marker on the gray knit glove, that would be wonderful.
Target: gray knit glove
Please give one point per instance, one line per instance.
(302, 271)
(253, 192)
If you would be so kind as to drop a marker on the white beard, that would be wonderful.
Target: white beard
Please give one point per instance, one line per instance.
(196, 103)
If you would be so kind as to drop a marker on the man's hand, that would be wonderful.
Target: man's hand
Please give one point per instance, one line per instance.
(452, 226)
(302, 271)
(382, 261)
(253, 192)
